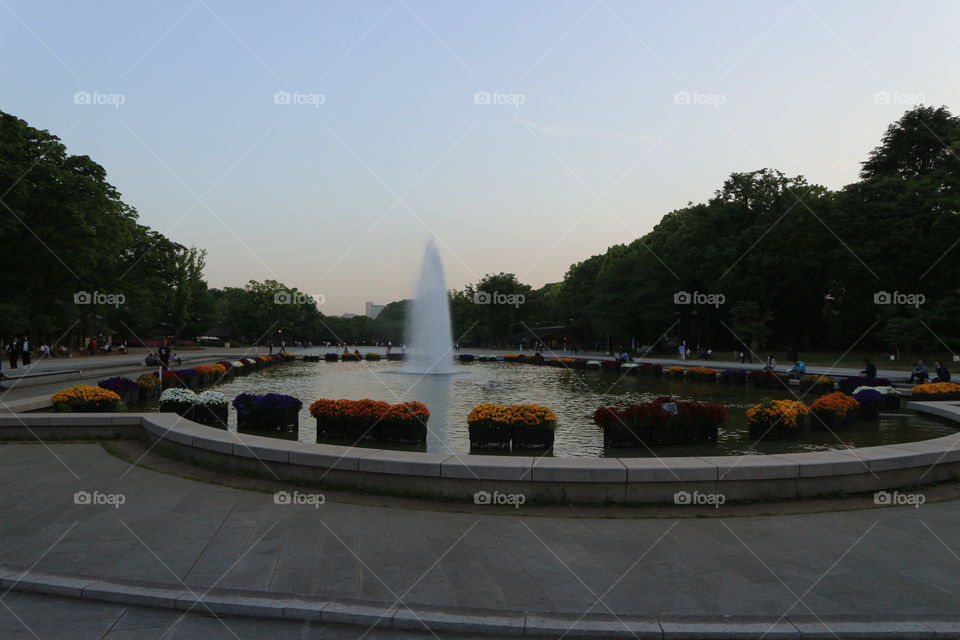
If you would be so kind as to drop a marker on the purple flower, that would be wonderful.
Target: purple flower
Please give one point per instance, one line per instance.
(118, 384)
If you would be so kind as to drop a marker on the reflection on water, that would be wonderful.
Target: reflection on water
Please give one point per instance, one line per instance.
(573, 396)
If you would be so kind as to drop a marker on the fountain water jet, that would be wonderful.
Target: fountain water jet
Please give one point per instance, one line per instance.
(429, 337)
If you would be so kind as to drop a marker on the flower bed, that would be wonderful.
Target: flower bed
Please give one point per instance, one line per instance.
(271, 411)
(373, 357)
(396, 357)
(702, 374)
(847, 385)
(127, 389)
(816, 384)
(661, 421)
(765, 379)
(210, 408)
(371, 419)
(871, 401)
(833, 410)
(891, 397)
(84, 398)
(350, 357)
(674, 371)
(179, 401)
(936, 391)
(148, 386)
(773, 419)
(524, 426)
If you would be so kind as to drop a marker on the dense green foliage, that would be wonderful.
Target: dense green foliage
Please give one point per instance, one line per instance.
(788, 263)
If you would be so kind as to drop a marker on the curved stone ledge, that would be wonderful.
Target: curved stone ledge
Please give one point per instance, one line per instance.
(539, 479)
(462, 620)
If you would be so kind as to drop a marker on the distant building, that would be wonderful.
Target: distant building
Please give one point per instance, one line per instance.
(373, 310)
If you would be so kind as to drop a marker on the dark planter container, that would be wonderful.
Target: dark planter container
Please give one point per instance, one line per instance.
(192, 382)
(184, 409)
(532, 438)
(210, 416)
(667, 433)
(311, 358)
(775, 431)
(484, 437)
(329, 428)
(331, 357)
(396, 357)
(829, 421)
(357, 431)
(145, 394)
(466, 357)
(282, 434)
(406, 433)
(93, 408)
(349, 357)
(271, 419)
(129, 397)
(869, 410)
(373, 357)
(702, 432)
(891, 403)
(619, 436)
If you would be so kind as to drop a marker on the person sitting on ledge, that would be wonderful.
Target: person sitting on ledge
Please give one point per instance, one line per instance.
(869, 369)
(771, 364)
(943, 375)
(798, 369)
(920, 372)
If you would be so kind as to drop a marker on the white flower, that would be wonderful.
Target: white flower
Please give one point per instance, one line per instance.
(237, 364)
(178, 395)
(887, 391)
(211, 399)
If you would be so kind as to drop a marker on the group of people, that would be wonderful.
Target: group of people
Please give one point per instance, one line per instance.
(162, 357)
(19, 350)
(921, 374)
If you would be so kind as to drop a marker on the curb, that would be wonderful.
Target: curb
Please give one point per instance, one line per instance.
(299, 608)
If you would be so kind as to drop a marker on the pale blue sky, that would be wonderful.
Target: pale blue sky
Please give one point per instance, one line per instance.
(303, 193)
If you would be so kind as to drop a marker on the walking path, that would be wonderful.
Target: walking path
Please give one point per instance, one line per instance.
(899, 562)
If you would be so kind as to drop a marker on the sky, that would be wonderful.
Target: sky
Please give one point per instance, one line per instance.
(323, 143)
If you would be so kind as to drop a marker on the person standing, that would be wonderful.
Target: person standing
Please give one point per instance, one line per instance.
(163, 352)
(270, 348)
(13, 352)
(25, 350)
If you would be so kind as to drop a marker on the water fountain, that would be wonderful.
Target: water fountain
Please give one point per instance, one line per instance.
(429, 337)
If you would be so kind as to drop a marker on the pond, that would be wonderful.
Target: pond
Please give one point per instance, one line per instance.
(573, 395)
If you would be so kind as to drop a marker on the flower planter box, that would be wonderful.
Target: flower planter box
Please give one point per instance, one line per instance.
(270, 419)
(146, 394)
(891, 403)
(405, 433)
(483, 437)
(396, 357)
(620, 436)
(775, 430)
(130, 396)
(830, 421)
(213, 416)
(184, 409)
(331, 357)
(935, 397)
(356, 431)
(702, 432)
(869, 410)
(349, 357)
(532, 438)
(329, 428)
(372, 357)
(667, 433)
